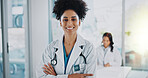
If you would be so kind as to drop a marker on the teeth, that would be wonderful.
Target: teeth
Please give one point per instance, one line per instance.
(70, 28)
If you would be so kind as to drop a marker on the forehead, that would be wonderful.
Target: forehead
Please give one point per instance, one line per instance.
(69, 14)
(105, 38)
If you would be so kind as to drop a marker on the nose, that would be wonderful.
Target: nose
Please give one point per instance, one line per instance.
(104, 42)
(69, 23)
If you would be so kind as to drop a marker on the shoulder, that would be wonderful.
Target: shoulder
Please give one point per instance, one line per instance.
(50, 47)
(116, 50)
(84, 42)
(88, 44)
(99, 47)
(53, 43)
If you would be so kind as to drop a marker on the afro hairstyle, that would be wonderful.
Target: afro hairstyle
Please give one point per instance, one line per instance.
(79, 6)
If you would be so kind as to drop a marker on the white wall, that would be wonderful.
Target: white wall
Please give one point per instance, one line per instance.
(109, 19)
(39, 29)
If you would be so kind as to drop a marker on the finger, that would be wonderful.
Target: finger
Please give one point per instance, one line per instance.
(50, 66)
(50, 69)
(44, 68)
(46, 72)
(87, 74)
(82, 77)
(85, 77)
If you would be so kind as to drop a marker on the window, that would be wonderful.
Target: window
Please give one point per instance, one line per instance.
(16, 39)
(136, 39)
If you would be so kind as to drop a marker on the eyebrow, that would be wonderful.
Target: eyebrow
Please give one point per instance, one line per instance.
(71, 17)
(65, 17)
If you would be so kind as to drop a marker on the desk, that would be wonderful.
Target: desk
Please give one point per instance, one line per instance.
(137, 74)
(113, 72)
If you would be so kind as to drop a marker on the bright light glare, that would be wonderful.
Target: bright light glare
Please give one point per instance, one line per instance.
(139, 23)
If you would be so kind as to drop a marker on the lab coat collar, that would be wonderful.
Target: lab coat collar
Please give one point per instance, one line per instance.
(77, 49)
(60, 55)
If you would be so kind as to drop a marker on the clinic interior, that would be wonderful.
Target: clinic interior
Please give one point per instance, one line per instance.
(31, 26)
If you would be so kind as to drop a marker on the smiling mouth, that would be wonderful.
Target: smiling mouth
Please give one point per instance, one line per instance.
(70, 28)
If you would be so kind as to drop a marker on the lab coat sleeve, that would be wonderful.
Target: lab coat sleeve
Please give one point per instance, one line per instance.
(118, 59)
(99, 58)
(91, 58)
(46, 58)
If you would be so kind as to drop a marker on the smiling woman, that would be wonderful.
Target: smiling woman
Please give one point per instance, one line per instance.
(70, 22)
(70, 56)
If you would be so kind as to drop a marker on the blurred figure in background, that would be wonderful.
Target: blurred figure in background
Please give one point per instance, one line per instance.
(107, 54)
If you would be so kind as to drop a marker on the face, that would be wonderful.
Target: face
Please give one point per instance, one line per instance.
(69, 22)
(106, 41)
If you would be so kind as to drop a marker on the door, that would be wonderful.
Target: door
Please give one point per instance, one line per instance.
(13, 51)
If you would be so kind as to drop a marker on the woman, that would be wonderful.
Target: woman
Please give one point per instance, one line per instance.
(108, 55)
(70, 56)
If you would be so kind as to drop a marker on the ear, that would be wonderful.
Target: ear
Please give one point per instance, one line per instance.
(60, 23)
(79, 22)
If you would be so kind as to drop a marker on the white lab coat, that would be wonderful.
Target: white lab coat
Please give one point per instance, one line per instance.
(88, 51)
(113, 58)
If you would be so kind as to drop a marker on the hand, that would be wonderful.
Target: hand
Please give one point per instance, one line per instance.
(49, 70)
(79, 75)
(107, 65)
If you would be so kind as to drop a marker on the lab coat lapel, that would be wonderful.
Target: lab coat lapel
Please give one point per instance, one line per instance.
(77, 49)
(60, 56)
(107, 56)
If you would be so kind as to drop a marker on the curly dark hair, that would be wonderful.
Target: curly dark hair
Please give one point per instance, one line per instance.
(79, 6)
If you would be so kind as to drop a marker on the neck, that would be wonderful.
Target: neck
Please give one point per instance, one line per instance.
(70, 39)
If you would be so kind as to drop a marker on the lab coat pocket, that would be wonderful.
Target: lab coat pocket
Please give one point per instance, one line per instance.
(79, 68)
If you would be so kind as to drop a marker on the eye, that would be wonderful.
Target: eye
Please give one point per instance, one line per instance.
(73, 19)
(65, 19)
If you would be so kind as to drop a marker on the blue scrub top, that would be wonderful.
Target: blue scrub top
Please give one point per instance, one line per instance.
(66, 58)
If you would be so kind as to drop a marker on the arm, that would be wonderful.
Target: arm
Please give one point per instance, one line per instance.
(99, 57)
(46, 58)
(117, 61)
(43, 70)
(91, 62)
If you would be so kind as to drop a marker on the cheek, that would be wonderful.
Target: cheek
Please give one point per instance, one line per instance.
(108, 43)
(76, 23)
(103, 42)
(63, 24)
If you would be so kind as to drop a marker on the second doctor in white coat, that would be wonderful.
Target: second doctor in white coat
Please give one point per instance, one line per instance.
(70, 56)
(107, 54)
